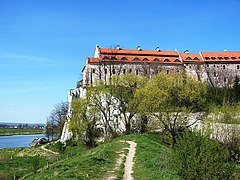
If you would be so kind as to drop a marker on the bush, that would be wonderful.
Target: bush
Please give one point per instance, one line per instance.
(35, 163)
(195, 156)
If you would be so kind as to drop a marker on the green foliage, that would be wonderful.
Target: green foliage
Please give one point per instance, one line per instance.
(83, 122)
(151, 160)
(171, 99)
(35, 163)
(195, 156)
(227, 128)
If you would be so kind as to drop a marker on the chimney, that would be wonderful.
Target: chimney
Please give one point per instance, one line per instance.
(157, 49)
(225, 50)
(186, 51)
(139, 48)
(118, 47)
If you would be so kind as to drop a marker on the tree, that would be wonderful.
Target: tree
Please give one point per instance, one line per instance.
(56, 119)
(124, 88)
(226, 129)
(83, 122)
(171, 99)
(195, 156)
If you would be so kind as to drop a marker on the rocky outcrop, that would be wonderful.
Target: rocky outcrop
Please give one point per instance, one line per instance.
(38, 141)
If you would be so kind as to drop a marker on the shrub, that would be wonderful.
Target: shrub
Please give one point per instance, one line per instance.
(195, 156)
(35, 163)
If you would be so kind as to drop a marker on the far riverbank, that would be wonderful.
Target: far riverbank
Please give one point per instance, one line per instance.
(10, 132)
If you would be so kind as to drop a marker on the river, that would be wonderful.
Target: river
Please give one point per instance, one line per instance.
(18, 140)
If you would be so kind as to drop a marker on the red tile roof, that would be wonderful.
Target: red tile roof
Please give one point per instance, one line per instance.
(137, 52)
(190, 57)
(226, 56)
(162, 56)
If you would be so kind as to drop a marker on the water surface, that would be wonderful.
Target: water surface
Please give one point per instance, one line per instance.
(18, 140)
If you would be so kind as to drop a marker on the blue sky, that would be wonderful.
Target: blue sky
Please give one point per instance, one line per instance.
(44, 44)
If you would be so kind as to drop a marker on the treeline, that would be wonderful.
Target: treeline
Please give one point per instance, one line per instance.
(199, 122)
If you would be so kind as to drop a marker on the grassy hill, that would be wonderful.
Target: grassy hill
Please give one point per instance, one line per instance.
(151, 161)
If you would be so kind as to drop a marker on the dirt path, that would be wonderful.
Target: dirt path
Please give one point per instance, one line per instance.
(129, 161)
(43, 148)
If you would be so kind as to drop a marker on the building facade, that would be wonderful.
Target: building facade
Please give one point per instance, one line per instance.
(216, 68)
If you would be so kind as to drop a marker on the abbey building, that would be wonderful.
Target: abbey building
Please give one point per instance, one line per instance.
(216, 68)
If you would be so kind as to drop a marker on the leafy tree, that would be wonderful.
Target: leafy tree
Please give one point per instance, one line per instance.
(171, 99)
(226, 128)
(195, 156)
(83, 122)
(124, 88)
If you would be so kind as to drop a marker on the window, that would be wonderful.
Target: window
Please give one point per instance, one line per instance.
(136, 59)
(93, 70)
(156, 59)
(196, 59)
(237, 66)
(124, 58)
(176, 60)
(224, 67)
(188, 58)
(226, 58)
(105, 58)
(146, 71)
(130, 70)
(136, 71)
(214, 74)
(190, 67)
(213, 58)
(225, 80)
(207, 58)
(166, 60)
(167, 71)
(233, 58)
(113, 71)
(113, 58)
(124, 71)
(220, 58)
(105, 71)
(207, 65)
(145, 59)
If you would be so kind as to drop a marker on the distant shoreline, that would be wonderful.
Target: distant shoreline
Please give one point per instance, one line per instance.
(11, 132)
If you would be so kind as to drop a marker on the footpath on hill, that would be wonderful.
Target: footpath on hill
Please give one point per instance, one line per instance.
(128, 170)
(128, 164)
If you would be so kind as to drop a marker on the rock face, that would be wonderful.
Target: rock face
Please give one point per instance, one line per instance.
(37, 141)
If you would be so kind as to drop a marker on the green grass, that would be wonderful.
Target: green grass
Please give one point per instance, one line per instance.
(7, 132)
(151, 161)
(151, 158)
(81, 163)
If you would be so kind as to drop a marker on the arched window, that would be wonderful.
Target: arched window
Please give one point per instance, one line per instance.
(136, 59)
(156, 59)
(224, 67)
(207, 58)
(233, 58)
(176, 60)
(145, 59)
(113, 58)
(196, 59)
(226, 58)
(220, 58)
(105, 58)
(124, 58)
(213, 58)
(166, 60)
(188, 58)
